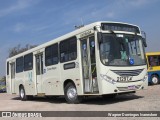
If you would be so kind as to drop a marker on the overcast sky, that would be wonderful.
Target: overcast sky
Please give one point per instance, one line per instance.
(38, 21)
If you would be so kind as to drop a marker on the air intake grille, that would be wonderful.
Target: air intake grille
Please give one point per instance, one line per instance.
(128, 72)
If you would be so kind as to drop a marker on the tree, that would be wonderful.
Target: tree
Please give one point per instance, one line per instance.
(3, 80)
(18, 49)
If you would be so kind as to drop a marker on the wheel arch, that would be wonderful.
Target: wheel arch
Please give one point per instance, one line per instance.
(21, 85)
(68, 81)
(150, 74)
(155, 74)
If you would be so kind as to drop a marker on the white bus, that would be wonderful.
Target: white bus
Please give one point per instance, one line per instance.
(102, 58)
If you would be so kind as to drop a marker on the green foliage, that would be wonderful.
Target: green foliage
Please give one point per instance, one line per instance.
(3, 79)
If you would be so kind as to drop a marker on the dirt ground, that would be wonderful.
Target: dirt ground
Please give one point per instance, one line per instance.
(144, 100)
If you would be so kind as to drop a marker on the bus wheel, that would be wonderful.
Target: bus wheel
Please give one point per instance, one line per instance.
(70, 92)
(22, 94)
(154, 79)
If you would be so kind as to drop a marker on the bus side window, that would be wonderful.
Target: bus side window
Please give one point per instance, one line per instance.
(19, 65)
(150, 60)
(68, 50)
(51, 55)
(153, 61)
(28, 62)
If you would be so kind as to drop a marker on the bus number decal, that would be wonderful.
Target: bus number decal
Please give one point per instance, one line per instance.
(124, 78)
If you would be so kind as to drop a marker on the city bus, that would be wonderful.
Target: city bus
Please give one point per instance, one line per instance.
(153, 63)
(98, 59)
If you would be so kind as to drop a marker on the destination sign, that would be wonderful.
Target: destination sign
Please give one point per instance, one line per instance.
(86, 33)
(120, 27)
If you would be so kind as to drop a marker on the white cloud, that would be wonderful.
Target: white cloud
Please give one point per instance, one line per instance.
(108, 11)
(43, 27)
(19, 27)
(19, 5)
(138, 3)
(120, 8)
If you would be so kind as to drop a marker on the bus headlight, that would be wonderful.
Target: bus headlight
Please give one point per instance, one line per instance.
(145, 78)
(108, 79)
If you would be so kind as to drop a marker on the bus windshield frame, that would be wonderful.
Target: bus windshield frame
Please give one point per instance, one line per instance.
(122, 50)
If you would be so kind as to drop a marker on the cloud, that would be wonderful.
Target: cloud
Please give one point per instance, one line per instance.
(19, 27)
(43, 27)
(19, 5)
(114, 10)
(124, 7)
(139, 3)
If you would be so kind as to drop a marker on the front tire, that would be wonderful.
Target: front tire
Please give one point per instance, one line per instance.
(154, 80)
(71, 96)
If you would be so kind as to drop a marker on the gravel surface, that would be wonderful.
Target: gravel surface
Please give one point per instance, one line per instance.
(145, 100)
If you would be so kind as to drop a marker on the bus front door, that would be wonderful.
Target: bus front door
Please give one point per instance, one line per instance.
(12, 77)
(89, 65)
(39, 72)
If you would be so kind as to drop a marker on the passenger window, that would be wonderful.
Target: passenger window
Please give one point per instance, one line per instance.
(19, 65)
(68, 50)
(28, 62)
(51, 55)
(154, 60)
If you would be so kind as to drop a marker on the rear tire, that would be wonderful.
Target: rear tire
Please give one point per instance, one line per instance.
(154, 80)
(71, 96)
(22, 94)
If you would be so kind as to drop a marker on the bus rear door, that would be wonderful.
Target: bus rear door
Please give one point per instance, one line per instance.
(39, 72)
(12, 77)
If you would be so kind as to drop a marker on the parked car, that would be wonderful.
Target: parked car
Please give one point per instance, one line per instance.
(3, 90)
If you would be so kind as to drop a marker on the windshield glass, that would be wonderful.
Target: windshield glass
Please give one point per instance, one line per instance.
(122, 50)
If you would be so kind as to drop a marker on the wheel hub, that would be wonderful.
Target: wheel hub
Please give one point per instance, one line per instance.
(72, 93)
(22, 93)
(154, 80)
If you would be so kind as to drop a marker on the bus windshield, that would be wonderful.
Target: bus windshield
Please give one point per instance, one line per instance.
(122, 50)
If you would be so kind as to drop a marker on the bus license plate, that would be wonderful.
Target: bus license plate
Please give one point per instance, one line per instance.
(124, 79)
(133, 87)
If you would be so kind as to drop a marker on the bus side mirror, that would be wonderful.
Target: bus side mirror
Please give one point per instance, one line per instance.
(100, 37)
(144, 38)
(144, 42)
